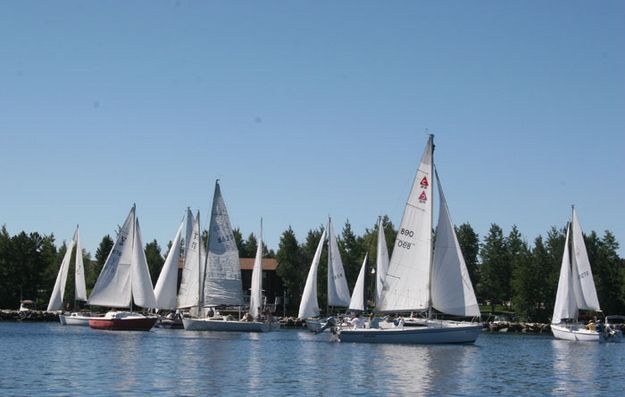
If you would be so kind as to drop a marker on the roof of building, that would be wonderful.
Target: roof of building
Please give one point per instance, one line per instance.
(270, 264)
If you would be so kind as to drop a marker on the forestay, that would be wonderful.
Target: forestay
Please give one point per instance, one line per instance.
(309, 307)
(452, 290)
(407, 283)
(222, 284)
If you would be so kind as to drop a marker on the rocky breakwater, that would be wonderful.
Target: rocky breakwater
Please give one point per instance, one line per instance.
(30, 315)
(526, 328)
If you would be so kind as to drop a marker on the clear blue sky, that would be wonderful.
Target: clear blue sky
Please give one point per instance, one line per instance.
(305, 109)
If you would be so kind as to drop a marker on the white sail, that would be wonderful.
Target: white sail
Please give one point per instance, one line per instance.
(56, 299)
(309, 307)
(407, 283)
(256, 293)
(583, 282)
(112, 289)
(338, 291)
(452, 290)
(141, 282)
(189, 230)
(79, 271)
(381, 263)
(222, 285)
(357, 302)
(188, 294)
(165, 290)
(565, 306)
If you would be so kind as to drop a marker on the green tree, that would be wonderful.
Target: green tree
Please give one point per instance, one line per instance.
(470, 246)
(495, 270)
(289, 269)
(155, 259)
(352, 253)
(104, 248)
(607, 271)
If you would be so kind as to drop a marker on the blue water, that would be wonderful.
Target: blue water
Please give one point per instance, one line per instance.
(38, 359)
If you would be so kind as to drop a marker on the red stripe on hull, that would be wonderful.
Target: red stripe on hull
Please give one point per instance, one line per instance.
(129, 324)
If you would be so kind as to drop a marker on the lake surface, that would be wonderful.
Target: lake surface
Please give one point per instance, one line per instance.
(38, 359)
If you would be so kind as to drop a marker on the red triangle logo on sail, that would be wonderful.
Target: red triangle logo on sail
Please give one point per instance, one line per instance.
(423, 197)
(424, 182)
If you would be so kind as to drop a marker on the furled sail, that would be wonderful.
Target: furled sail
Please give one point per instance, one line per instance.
(222, 282)
(407, 283)
(452, 290)
(309, 307)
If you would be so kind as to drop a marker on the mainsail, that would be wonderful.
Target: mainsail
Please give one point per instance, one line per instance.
(56, 299)
(79, 271)
(256, 293)
(452, 290)
(222, 282)
(381, 263)
(195, 256)
(309, 307)
(338, 291)
(407, 283)
(565, 306)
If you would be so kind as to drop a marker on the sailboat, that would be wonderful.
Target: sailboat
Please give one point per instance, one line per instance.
(423, 279)
(125, 278)
(576, 290)
(220, 282)
(338, 291)
(80, 292)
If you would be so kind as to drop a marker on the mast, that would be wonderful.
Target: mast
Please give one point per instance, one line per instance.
(134, 230)
(200, 279)
(431, 239)
(328, 265)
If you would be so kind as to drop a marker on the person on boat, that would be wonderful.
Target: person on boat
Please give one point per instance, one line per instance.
(357, 322)
(591, 326)
(599, 327)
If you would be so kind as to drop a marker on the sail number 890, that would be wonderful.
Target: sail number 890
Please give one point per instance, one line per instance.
(406, 232)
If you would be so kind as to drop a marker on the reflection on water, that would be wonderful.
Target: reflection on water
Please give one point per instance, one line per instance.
(49, 359)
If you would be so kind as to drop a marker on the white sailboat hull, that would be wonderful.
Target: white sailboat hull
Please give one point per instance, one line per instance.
(439, 332)
(76, 319)
(200, 324)
(574, 332)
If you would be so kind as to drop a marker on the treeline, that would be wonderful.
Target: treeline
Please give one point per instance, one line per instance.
(507, 271)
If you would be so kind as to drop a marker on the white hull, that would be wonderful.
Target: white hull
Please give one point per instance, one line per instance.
(574, 332)
(195, 324)
(315, 325)
(75, 319)
(435, 332)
